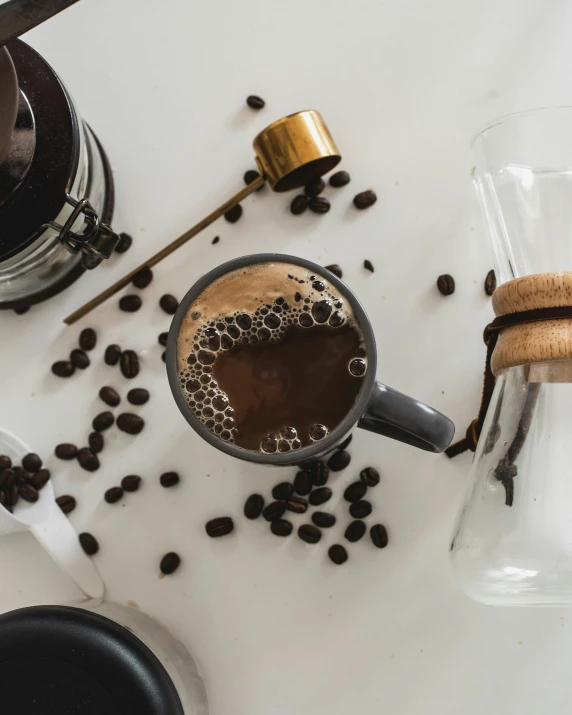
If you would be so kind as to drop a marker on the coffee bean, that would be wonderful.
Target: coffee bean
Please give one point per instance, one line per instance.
(339, 179)
(138, 396)
(233, 214)
(7, 478)
(319, 205)
(66, 451)
(338, 554)
(355, 531)
(130, 423)
(339, 460)
(320, 496)
(255, 102)
(216, 239)
(124, 243)
(32, 463)
(22, 476)
(95, 442)
(113, 495)
(378, 534)
(335, 269)
(219, 527)
(274, 510)
(303, 483)
(66, 503)
(283, 491)
(281, 527)
(368, 265)
(170, 563)
(369, 476)
(446, 284)
(112, 354)
(88, 542)
(365, 199)
(87, 339)
(346, 442)
(360, 509)
(298, 204)
(163, 339)
(142, 278)
(169, 303)
(253, 506)
(5, 462)
(109, 396)
(318, 471)
(314, 187)
(131, 483)
(129, 364)
(355, 491)
(63, 368)
(13, 495)
(164, 356)
(40, 478)
(490, 283)
(130, 303)
(250, 176)
(169, 479)
(87, 459)
(102, 421)
(28, 493)
(297, 505)
(323, 519)
(310, 534)
(79, 359)
(21, 309)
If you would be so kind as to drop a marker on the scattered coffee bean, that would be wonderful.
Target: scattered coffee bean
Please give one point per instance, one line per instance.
(314, 187)
(219, 527)
(297, 505)
(335, 269)
(360, 509)
(365, 199)
(66, 451)
(338, 554)
(310, 534)
(319, 205)
(255, 102)
(95, 442)
(170, 563)
(129, 364)
(66, 503)
(169, 479)
(216, 239)
(131, 483)
(32, 463)
(378, 534)
(112, 354)
(369, 476)
(40, 478)
(339, 179)
(355, 491)
(303, 483)
(63, 368)
(339, 460)
(79, 359)
(164, 356)
(318, 471)
(163, 339)
(130, 303)
(323, 519)
(142, 278)
(113, 495)
(368, 265)
(490, 283)
(346, 443)
(169, 303)
(274, 510)
(130, 423)
(87, 339)
(28, 493)
(7, 478)
(233, 214)
(124, 243)
(88, 542)
(283, 491)
(21, 309)
(5, 462)
(355, 531)
(446, 284)
(102, 421)
(109, 396)
(87, 459)
(13, 495)
(320, 496)
(22, 476)
(250, 176)
(138, 396)
(253, 506)
(281, 527)
(298, 204)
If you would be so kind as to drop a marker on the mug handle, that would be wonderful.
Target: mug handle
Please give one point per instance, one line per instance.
(395, 415)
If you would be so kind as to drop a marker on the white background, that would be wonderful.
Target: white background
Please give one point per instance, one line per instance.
(275, 628)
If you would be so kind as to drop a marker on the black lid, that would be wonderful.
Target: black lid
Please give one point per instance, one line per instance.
(56, 660)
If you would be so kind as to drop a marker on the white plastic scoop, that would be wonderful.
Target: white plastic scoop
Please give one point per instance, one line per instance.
(49, 525)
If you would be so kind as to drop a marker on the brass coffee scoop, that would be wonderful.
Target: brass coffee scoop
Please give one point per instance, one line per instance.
(289, 153)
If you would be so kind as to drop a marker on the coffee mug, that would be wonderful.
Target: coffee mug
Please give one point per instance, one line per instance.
(377, 408)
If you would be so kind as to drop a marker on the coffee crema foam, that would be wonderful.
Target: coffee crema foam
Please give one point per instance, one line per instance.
(272, 298)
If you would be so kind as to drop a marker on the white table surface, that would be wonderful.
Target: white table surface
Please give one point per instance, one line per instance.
(275, 628)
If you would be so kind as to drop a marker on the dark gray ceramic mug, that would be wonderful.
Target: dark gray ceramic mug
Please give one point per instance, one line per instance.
(378, 408)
